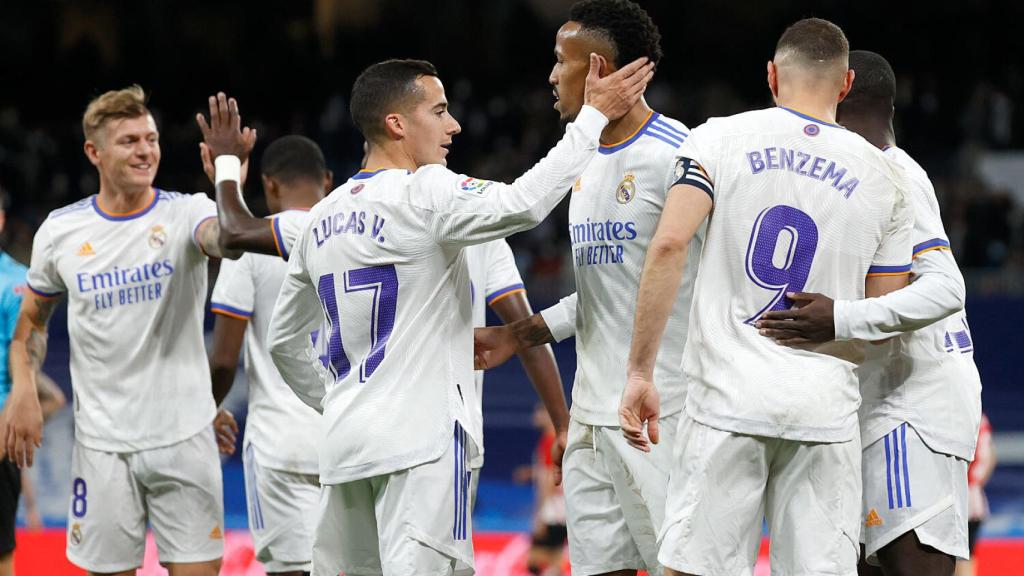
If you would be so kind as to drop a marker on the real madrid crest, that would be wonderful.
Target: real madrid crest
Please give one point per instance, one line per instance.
(76, 534)
(627, 189)
(157, 237)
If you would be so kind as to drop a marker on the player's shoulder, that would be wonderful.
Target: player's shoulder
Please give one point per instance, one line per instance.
(83, 207)
(665, 130)
(901, 157)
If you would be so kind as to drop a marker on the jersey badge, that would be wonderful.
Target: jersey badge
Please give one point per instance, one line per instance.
(85, 250)
(157, 236)
(578, 184)
(873, 519)
(475, 185)
(812, 130)
(357, 189)
(76, 534)
(626, 190)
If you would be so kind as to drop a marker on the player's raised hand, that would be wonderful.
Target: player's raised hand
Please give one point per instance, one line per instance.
(223, 134)
(613, 95)
(811, 322)
(23, 428)
(492, 346)
(210, 170)
(640, 405)
(226, 430)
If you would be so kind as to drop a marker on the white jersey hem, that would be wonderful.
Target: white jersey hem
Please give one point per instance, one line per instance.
(881, 426)
(124, 446)
(802, 433)
(605, 418)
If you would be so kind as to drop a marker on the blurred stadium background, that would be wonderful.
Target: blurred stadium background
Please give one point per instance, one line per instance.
(960, 112)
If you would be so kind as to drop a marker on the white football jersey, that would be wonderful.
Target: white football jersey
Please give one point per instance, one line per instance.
(613, 213)
(281, 428)
(799, 205)
(492, 276)
(382, 261)
(136, 286)
(926, 377)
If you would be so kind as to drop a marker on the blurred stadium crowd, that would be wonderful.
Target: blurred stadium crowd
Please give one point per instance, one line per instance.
(292, 67)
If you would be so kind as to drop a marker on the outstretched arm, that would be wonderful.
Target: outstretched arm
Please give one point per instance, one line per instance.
(225, 154)
(24, 415)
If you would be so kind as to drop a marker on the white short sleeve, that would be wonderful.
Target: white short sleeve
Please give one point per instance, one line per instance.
(200, 209)
(503, 277)
(287, 226)
(893, 256)
(43, 278)
(234, 294)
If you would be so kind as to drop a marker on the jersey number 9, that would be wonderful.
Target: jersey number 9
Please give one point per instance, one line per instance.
(779, 254)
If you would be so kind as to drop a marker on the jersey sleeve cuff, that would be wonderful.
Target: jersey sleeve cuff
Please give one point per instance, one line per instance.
(933, 244)
(841, 319)
(889, 270)
(558, 321)
(279, 243)
(195, 232)
(231, 311)
(591, 121)
(504, 293)
(42, 293)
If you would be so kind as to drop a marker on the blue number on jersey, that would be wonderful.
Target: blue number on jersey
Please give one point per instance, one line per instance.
(382, 281)
(802, 235)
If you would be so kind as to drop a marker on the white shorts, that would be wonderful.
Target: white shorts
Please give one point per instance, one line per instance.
(413, 522)
(724, 483)
(909, 487)
(614, 498)
(177, 488)
(283, 507)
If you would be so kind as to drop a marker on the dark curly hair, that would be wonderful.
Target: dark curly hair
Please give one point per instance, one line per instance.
(625, 24)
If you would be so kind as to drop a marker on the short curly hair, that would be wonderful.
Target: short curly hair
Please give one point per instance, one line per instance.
(625, 24)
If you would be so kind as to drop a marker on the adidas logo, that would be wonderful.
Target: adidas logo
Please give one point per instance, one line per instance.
(86, 250)
(216, 534)
(873, 519)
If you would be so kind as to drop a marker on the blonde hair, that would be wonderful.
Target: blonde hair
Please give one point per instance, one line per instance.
(128, 102)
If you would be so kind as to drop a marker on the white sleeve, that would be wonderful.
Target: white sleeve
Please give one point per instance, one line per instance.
(464, 210)
(503, 276)
(234, 293)
(561, 318)
(43, 277)
(200, 209)
(937, 291)
(296, 314)
(287, 226)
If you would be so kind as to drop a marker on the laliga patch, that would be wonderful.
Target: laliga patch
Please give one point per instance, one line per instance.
(475, 186)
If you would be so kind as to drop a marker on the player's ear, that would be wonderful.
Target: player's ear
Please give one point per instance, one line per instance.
(773, 79)
(847, 84)
(92, 152)
(394, 125)
(328, 181)
(269, 186)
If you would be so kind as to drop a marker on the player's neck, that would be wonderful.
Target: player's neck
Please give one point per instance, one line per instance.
(879, 132)
(114, 199)
(625, 127)
(392, 155)
(300, 198)
(810, 104)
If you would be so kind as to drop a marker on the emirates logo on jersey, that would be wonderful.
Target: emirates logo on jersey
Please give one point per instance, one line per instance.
(157, 237)
(626, 189)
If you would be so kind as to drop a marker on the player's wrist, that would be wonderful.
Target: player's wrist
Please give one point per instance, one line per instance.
(227, 168)
(841, 320)
(591, 120)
